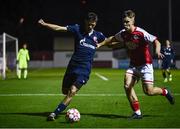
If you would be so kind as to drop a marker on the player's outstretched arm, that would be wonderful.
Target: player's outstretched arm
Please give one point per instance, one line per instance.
(111, 42)
(52, 26)
(107, 41)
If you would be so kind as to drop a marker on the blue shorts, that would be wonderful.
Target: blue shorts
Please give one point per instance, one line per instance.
(76, 74)
(166, 64)
(74, 79)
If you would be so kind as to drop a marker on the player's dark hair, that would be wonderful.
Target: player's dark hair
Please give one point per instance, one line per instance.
(129, 13)
(91, 16)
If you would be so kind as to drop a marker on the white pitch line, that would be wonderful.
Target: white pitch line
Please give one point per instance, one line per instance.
(102, 77)
(99, 95)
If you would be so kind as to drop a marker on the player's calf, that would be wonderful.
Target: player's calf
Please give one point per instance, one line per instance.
(167, 93)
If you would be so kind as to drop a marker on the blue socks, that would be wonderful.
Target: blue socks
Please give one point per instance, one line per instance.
(61, 107)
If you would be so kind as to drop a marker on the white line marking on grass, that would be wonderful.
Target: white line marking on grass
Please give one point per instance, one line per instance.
(102, 77)
(95, 95)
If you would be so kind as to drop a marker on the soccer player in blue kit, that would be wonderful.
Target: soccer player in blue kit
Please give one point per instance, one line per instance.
(79, 67)
(168, 53)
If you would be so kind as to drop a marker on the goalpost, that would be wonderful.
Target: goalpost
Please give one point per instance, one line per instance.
(8, 53)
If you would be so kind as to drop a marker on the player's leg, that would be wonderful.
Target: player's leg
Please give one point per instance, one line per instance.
(25, 69)
(20, 68)
(67, 99)
(25, 73)
(149, 89)
(64, 103)
(19, 73)
(169, 74)
(165, 68)
(164, 75)
(66, 84)
(77, 82)
(129, 82)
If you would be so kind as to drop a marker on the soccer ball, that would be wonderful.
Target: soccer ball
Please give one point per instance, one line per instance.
(72, 115)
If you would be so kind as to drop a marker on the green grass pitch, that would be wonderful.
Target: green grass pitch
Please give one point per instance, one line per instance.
(102, 104)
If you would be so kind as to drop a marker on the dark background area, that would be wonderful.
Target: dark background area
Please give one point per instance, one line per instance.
(152, 15)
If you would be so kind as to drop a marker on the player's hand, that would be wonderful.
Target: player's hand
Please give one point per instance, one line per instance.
(98, 46)
(160, 55)
(41, 21)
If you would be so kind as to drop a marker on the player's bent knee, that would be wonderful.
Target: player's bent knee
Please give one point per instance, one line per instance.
(71, 93)
(73, 90)
(127, 87)
(149, 92)
(148, 89)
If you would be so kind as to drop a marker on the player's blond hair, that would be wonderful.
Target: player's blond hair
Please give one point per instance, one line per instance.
(129, 13)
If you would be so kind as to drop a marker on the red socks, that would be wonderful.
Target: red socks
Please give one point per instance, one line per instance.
(136, 106)
(164, 91)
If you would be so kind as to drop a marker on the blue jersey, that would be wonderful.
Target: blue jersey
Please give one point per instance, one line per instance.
(79, 67)
(85, 44)
(168, 56)
(168, 52)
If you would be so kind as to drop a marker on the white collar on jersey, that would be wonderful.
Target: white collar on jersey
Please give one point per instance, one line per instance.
(91, 32)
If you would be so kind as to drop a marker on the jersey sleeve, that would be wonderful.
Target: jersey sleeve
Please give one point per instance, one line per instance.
(18, 55)
(149, 37)
(72, 28)
(118, 36)
(27, 56)
(101, 37)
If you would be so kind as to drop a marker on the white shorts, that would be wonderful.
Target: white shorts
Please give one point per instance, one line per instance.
(145, 72)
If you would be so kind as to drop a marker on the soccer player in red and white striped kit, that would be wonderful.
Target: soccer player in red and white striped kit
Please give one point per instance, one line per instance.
(136, 40)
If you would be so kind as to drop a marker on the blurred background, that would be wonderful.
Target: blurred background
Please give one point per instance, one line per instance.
(19, 19)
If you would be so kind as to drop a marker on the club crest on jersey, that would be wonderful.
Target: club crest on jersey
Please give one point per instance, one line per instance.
(130, 45)
(95, 39)
(135, 37)
(83, 43)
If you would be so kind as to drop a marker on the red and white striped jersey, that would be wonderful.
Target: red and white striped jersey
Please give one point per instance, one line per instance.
(137, 44)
